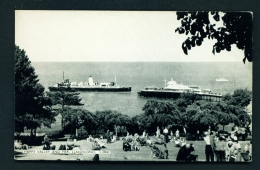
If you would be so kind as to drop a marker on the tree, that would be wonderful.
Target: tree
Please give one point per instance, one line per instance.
(32, 106)
(140, 123)
(237, 29)
(201, 115)
(112, 119)
(224, 116)
(64, 97)
(75, 118)
(71, 120)
(89, 120)
(101, 119)
(162, 114)
(185, 100)
(240, 97)
(227, 118)
(237, 103)
(115, 119)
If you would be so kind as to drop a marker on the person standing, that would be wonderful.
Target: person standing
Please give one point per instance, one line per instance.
(197, 135)
(171, 133)
(237, 146)
(144, 134)
(210, 147)
(219, 150)
(231, 152)
(166, 152)
(157, 132)
(165, 133)
(108, 136)
(177, 134)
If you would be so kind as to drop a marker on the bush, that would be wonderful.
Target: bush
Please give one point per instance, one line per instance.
(190, 136)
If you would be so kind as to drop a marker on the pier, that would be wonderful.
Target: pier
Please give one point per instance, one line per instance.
(175, 94)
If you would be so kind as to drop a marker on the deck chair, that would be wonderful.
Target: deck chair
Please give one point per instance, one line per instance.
(156, 152)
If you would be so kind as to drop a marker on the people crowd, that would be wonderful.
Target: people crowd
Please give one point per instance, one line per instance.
(218, 148)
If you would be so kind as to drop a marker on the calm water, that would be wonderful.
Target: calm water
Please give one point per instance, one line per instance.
(138, 75)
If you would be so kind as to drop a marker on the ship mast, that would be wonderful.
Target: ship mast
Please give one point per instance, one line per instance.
(165, 82)
(63, 75)
(115, 79)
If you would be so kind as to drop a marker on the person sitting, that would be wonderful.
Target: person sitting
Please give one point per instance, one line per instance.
(113, 138)
(184, 153)
(70, 143)
(179, 142)
(95, 145)
(236, 129)
(90, 138)
(19, 145)
(142, 141)
(247, 152)
(149, 142)
(100, 143)
(129, 139)
(126, 145)
(46, 142)
(158, 140)
(222, 137)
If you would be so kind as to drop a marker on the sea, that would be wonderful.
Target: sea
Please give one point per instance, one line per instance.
(141, 74)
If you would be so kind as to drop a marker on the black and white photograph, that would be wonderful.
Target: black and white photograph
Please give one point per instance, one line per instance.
(171, 86)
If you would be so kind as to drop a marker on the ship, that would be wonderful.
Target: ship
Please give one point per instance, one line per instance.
(222, 79)
(89, 86)
(174, 90)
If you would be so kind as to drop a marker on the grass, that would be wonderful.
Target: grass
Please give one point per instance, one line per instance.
(116, 152)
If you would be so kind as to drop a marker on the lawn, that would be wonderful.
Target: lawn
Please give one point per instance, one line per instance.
(116, 152)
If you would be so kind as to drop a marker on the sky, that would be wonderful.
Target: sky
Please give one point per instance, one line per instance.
(109, 36)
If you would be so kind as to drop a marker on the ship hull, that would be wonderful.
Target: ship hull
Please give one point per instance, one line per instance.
(93, 89)
(174, 95)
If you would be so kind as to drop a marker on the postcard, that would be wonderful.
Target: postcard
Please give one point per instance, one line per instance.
(133, 86)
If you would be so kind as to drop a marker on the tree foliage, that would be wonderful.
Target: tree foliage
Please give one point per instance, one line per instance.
(237, 103)
(75, 118)
(111, 119)
(64, 97)
(201, 115)
(237, 29)
(71, 119)
(240, 97)
(161, 114)
(32, 106)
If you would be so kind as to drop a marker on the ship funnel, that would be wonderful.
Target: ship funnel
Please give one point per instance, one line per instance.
(90, 81)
